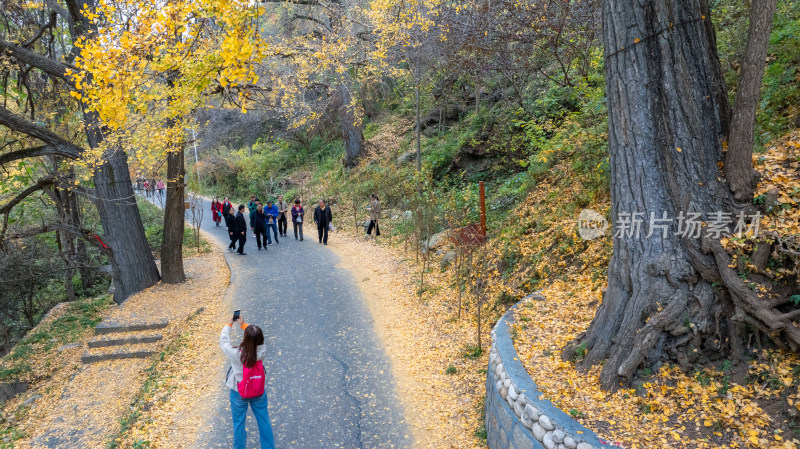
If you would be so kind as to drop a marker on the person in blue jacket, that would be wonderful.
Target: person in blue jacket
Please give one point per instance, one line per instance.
(271, 211)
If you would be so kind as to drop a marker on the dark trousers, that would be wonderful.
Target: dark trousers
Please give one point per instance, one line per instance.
(323, 233)
(234, 239)
(242, 240)
(374, 224)
(298, 227)
(261, 235)
(282, 224)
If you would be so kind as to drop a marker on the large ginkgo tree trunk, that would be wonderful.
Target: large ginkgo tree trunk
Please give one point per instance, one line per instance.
(670, 295)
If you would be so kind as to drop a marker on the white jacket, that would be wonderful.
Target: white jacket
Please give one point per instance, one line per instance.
(236, 371)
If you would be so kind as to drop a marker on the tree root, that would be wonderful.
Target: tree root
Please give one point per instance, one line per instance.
(648, 335)
(751, 308)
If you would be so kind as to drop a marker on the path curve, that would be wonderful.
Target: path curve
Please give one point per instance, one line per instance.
(329, 380)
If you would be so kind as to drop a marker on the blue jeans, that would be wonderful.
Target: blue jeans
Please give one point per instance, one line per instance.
(239, 413)
(274, 228)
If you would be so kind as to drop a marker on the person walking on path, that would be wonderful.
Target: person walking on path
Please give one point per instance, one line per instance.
(226, 207)
(283, 207)
(230, 224)
(146, 188)
(253, 204)
(216, 211)
(297, 219)
(153, 188)
(258, 224)
(241, 230)
(272, 218)
(161, 188)
(249, 354)
(323, 218)
(374, 215)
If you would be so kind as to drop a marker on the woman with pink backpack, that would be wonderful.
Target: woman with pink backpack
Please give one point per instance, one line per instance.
(246, 380)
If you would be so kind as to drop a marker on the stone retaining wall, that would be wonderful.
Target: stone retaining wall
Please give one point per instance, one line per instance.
(516, 416)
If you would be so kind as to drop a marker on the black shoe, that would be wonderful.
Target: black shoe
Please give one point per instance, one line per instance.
(301, 239)
(276, 241)
(326, 243)
(242, 254)
(259, 248)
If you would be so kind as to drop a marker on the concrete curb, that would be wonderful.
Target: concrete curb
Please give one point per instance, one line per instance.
(516, 415)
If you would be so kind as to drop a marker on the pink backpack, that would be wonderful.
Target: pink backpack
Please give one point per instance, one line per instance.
(253, 379)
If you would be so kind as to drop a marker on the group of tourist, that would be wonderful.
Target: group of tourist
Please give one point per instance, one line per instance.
(263, 219)
(275, 217)
(151, 187)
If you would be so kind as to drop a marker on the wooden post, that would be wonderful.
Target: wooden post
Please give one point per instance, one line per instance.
(483, 208)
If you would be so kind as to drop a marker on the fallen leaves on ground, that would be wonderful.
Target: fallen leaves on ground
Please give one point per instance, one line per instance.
(422, 338)
(672, 408)
(83, 404)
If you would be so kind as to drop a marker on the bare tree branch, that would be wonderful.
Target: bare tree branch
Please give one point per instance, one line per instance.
(25, 193)
(43, 63)
(56, 143)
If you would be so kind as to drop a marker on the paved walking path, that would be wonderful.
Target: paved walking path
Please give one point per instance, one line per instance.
(329, 382)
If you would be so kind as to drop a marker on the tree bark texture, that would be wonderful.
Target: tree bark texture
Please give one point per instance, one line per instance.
(739, 157)
(668, 113)
(174, 219)
(352, 133)
(133, 267)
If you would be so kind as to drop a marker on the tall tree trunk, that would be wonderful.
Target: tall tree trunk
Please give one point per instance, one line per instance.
(667, 115)
(739, 158)
(174, 219)
(352, 133)
(133, 267)
(174, 209)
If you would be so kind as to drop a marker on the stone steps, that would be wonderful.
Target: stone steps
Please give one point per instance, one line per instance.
(118, 341)
(111, 327)
(130, 340)
(87, 358)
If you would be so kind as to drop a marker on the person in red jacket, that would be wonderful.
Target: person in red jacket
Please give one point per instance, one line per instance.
(216, 211)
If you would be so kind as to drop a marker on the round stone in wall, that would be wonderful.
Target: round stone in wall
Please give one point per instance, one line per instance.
(548, 442)
(538, 431)
(533, 413)
(545, 422)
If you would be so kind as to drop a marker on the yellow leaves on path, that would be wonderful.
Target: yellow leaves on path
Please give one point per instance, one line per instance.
(422, 340)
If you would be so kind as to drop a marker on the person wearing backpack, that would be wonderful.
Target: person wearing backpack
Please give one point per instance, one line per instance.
(246, 380)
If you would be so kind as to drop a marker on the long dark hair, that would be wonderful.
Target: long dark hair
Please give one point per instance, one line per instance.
(248, 350)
